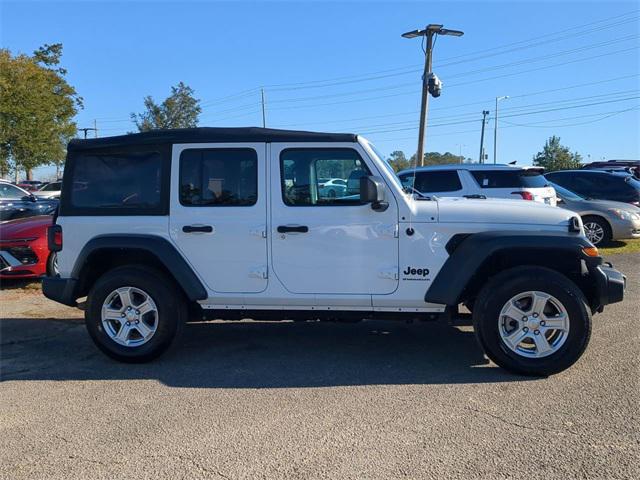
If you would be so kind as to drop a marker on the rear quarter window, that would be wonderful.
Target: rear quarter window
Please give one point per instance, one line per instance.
(509, 179)
(118, 183)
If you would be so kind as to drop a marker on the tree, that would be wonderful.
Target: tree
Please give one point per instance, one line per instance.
(398, 160)
(179, 110)
(437, 158)
(37, 106)
(555, 156)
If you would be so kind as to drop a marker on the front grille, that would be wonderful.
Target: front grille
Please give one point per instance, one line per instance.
(24, 255)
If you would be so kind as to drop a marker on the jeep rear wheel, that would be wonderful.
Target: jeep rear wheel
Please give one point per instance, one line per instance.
(134, 313)
(532, 321)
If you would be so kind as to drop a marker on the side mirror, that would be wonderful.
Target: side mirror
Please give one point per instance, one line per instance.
(559, 200)
(372, 190)
(29, 198)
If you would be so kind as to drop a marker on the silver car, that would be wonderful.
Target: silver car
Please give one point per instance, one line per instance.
(603, 220)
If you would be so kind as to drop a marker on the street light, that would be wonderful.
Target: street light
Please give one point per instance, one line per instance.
(429, 32)
(495, 130)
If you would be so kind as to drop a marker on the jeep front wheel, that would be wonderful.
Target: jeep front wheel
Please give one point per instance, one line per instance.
(134, 313)
(532, 321)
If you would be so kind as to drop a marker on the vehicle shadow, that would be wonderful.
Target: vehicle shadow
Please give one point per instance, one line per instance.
(258, 355)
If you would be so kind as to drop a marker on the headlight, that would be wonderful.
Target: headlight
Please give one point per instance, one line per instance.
(624, 214)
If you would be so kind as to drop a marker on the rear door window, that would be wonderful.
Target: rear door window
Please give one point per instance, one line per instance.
(218, 177)
(509, 179)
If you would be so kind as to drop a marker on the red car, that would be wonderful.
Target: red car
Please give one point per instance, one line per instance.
(30, 185)
(23, 248)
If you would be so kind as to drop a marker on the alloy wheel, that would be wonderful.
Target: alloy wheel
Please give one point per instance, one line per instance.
(533, 324)
(129, 316)
(594, 232)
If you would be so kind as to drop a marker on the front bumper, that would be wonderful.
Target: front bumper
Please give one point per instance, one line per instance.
(61, 290)
(625, 229)
(610, 285)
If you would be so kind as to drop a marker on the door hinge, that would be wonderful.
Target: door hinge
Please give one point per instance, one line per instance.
(391, 273)
(259, 272)
(260, 231)
(390, 231)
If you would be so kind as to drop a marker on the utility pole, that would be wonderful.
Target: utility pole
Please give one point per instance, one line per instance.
(460, 145)
(495, 130)
(264, 117)
(95, 128)
(484, 122)
(429, 32)
(87, 129)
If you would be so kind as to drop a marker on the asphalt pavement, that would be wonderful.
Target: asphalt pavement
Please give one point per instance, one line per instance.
(313, 400)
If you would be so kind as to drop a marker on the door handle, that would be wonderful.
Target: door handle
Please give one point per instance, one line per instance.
(293, 228)
(197, 228)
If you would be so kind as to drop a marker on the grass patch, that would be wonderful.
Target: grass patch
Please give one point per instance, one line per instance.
(621, 246)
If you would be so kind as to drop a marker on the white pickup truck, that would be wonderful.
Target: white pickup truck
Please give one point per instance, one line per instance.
(232, 223)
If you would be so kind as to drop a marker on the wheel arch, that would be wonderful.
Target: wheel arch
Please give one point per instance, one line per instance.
(105, 252)
(475, 258)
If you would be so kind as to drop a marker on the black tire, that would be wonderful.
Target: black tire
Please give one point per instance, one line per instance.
(602, 223)
(169, 300)
(504, 286)
(52, 265)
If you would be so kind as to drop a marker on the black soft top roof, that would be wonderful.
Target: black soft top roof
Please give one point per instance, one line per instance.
(210, 135)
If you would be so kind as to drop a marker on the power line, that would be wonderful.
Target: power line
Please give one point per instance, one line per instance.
(477, 55)
(513, 125)
(464, 74)
(515, 114)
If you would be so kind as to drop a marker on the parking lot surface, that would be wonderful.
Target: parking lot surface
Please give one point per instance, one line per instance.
(312, 400)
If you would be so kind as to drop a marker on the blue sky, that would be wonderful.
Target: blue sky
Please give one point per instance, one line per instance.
(570, 68)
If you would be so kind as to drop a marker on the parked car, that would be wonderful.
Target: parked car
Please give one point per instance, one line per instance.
(177, 221)
(30, 185)
(628, 166)
(49, 190)
(603, 220)
(334, 187)
(18, 203)
(599, 185)
(475, 180)
(23, 248)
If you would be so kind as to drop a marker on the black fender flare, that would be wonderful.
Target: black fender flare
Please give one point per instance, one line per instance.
(157, 246)
(468, 252)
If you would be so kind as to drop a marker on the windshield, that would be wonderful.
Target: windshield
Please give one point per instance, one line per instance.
(563, 192)
(388, 167)
(52, 187)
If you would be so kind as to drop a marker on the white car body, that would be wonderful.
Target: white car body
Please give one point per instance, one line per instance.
(477, 180)
(245, 263)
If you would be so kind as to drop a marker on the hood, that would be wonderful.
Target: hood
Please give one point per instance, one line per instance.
(501, 211)
(25, 227)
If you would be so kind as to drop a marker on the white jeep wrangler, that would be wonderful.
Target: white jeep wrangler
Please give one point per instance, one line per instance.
(233, 223)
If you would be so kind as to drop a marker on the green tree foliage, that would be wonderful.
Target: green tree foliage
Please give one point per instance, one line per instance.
(179, 110)
(37, 106)
(437, 158)
(398, 160)
(555, 156)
